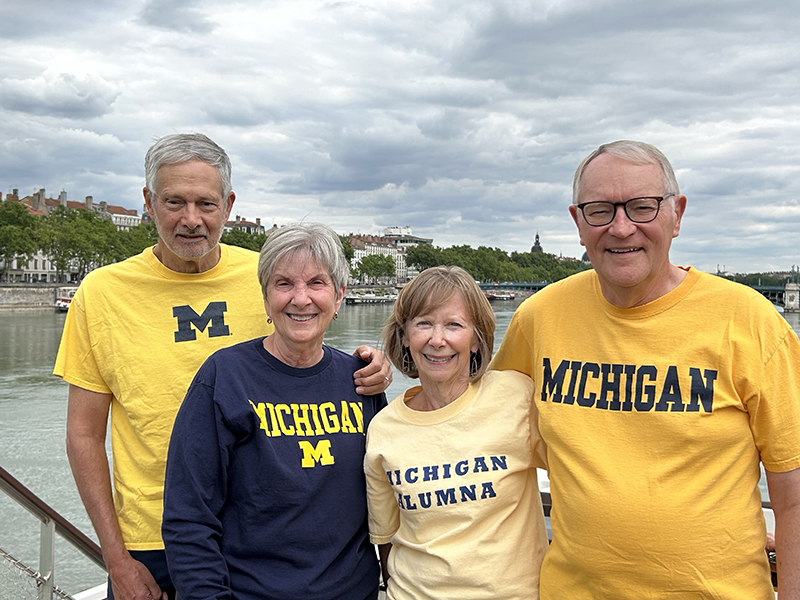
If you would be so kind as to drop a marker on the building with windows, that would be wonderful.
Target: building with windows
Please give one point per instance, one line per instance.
(246, 226)
(394, 242)
(40, 269)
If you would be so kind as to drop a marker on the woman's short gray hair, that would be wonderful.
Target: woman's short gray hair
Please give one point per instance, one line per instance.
(430, 289)
(183, 147)
(318, 241)
(640, 153)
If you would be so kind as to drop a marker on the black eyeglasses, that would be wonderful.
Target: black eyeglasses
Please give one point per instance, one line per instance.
(638, 210)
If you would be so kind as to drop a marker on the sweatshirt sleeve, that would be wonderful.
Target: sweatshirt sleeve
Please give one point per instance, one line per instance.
(384, 515)
(195, 490)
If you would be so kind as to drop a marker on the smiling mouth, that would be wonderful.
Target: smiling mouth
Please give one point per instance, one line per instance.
(301, 318)
(438, 359)
(623, 250)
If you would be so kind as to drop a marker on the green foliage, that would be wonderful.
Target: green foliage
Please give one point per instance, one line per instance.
(375, 266)
(79, 238)
(348, 249)
(18, 234)
(423, 256)
(134, 240)
(237, 237)
(494, 264)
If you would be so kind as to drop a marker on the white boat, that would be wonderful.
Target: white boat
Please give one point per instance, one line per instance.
(64, 298)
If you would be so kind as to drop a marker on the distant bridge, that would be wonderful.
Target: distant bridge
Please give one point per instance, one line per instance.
(514, 286)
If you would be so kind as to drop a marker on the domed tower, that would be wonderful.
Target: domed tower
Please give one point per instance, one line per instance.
(537, 247)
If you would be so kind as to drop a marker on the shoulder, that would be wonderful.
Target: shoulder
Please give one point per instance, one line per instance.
(574, 286)
(136, 263)
(343, 360)
(239, 255)
(104, 282)
(742, 298)
(231, 361)
(508, 380)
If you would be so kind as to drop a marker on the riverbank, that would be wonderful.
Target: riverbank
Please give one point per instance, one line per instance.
(28, 296)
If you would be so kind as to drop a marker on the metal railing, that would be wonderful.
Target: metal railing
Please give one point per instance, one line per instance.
(52, 523)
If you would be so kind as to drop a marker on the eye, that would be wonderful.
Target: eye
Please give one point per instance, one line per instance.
(599, 209)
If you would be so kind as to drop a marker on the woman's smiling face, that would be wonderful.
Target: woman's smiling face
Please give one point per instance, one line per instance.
(440, 342)
(301, 301)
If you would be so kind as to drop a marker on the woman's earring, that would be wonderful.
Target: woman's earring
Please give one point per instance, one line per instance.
(269, 320)
(474, 362)
(335, 315)
(408, 361)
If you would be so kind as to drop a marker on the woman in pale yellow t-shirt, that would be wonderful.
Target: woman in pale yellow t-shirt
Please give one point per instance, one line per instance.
(454, 502)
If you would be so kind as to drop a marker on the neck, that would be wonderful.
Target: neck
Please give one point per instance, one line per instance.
(647, 291)
(187, 265)
(436, 394)
(298, 357)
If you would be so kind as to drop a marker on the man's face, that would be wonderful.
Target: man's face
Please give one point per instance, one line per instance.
(631, 259)
(190, 213)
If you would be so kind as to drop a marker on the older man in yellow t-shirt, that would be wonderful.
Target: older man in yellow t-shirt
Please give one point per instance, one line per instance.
(135, 335)
(660, 390)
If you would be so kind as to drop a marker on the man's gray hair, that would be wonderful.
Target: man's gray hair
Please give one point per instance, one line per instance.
(317, 241)
(183, 147)
(639, 153)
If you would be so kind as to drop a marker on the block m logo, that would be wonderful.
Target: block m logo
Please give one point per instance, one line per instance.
(187, 318)
(312, 455)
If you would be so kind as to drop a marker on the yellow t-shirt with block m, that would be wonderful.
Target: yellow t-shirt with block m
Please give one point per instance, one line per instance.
(140, 331)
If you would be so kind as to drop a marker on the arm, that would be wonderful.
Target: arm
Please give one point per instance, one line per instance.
(87, 418)
(376, 376)
(784, 494)
(383, 553)
(195, 492)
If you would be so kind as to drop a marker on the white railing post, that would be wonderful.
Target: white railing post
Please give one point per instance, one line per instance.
(47, 558)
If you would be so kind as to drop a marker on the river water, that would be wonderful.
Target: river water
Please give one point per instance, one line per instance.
(33, 416)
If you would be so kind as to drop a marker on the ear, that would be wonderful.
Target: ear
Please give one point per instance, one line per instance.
(148, 202)
(229, 205)
(340, 298)
(680, 208)
(573, 211)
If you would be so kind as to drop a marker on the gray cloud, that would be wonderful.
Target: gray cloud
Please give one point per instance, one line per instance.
(177, 15)
(462, 119)
(63, 95)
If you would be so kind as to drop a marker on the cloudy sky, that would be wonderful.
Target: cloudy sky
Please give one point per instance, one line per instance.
(464, 119)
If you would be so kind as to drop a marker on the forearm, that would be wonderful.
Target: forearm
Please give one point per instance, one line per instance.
(784, 494)
(383, 553)
(87, 418)
(787, 550)
(89, 464)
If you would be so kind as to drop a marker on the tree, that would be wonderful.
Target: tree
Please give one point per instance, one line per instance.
(371, 266)
(423, 256)
(348, 249)
(18, 237)
(79, 238)
(238, 237)
(134, 240)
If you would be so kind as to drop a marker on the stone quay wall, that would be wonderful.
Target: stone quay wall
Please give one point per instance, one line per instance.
(27, 296)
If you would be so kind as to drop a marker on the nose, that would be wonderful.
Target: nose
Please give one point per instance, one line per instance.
(437, 336)
(191, 216)
(300, 297)
(621, 226)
